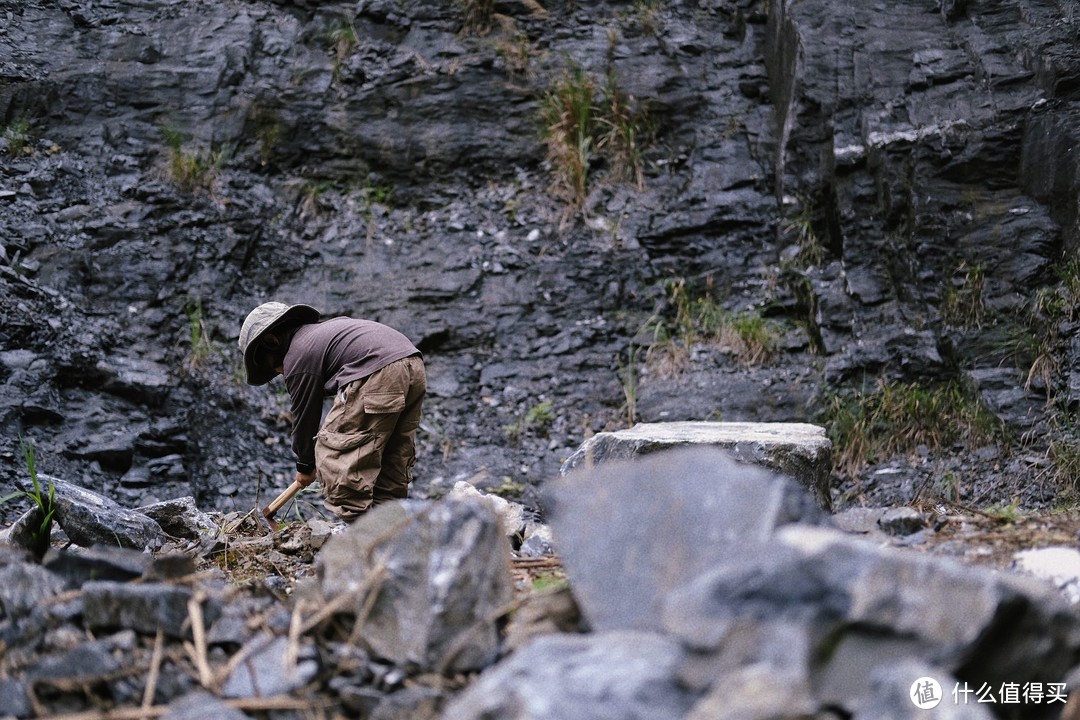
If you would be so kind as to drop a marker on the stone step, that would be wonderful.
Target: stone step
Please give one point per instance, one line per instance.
(800, 450)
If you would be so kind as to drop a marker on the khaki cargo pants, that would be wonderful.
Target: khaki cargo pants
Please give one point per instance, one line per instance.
(366, 448)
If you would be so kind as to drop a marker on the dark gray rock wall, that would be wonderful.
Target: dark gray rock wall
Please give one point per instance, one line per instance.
(383, 159)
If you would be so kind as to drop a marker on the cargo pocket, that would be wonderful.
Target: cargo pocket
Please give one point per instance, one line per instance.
(342, 459)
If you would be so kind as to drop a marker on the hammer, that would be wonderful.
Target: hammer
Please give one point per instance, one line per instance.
(284, 497)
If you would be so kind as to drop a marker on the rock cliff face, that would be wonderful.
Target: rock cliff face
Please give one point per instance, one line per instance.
(853, 172)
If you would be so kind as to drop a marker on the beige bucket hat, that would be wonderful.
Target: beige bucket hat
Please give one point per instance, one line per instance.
(263, 318)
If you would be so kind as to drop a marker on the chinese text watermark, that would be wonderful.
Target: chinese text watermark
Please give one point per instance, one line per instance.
(926, 693)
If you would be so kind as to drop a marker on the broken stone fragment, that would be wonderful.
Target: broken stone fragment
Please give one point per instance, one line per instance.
(181, 518)
(268, 669)
(430, 578)
(145, 608)
(902, 521)
(97, 563)
(556, 677)
(27, 533)
(201, 705)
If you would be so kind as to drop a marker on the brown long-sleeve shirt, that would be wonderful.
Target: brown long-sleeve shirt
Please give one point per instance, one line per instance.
(326, 356)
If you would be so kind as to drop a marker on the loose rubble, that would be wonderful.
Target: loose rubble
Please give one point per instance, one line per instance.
(424, 609)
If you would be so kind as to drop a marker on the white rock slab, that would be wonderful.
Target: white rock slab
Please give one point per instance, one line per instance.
(1059, 565)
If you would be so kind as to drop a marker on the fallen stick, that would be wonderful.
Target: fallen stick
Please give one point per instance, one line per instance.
(155, 670)
(276, 702)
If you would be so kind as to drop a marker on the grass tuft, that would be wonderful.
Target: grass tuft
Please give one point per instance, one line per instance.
(702, 320)
(799, 226)
(478, 15)
(896, 418)
(587, 122)
(43, 501)
(537, 420)
(200, 346)
(962, 305)
(569, 127)
(191, 171)
(342, 40)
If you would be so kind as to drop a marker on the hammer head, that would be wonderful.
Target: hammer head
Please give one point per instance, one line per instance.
(267, 517)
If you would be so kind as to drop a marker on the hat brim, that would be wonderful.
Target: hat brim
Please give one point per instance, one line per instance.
(260, 376)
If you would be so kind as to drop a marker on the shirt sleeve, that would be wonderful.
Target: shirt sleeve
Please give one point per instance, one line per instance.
(306, 393)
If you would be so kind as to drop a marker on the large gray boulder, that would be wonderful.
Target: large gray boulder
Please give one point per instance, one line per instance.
(633, 531)
(800, 450)
(428, 582)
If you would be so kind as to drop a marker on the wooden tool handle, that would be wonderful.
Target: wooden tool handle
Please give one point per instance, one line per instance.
(284, 497)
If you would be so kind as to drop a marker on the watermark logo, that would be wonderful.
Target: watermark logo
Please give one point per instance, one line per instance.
(925, 693)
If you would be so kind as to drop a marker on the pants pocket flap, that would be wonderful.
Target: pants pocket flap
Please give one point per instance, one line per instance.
(383, 403)
(341, 441)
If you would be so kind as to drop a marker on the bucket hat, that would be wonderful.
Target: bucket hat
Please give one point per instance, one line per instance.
(257, 323)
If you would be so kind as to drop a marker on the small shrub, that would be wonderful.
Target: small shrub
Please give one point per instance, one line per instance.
(18, 137)
(799, 225)
(540, 415)
(624, 123)
(537, 419)
(549, 581)
(516, 52)
(268, 129)
(311, 196)
(584, 122)
(1069, 279)
(375, 194)
(1032, 337)
(1008, 514)
(509, 488)
(342, 40)
(478, 15)
(1065, 454)
(647, 12)
(569, 127)
(751, 336)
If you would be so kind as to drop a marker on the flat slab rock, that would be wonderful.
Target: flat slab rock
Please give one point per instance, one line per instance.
(800, 450)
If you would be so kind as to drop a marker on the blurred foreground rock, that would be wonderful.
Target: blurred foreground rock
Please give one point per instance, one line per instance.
(744, 604)
(632, 532)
